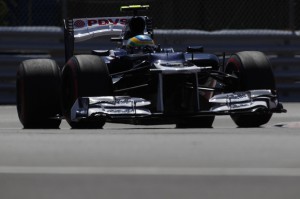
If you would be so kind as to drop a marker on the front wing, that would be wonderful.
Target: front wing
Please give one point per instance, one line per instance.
(125, 107)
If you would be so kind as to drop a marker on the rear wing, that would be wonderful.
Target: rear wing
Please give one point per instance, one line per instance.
(82, 29)
(89, 28)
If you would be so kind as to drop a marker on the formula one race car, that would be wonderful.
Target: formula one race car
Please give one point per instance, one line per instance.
(142, 83)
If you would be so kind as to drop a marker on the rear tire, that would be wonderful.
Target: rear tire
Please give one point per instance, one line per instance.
(38, 93)
(84, 76)
(254, 72)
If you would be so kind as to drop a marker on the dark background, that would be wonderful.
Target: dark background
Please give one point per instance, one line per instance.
(166, 14)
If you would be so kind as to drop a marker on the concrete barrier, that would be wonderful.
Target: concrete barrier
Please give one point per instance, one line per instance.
(282, 48)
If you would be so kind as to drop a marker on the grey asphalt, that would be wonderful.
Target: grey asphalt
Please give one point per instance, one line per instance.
(126, 161)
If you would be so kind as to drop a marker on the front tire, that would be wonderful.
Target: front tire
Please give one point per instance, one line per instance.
(84, 76)
(254, 71)
(38, 93)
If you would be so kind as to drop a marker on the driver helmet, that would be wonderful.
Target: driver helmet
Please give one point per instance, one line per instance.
(140, 44)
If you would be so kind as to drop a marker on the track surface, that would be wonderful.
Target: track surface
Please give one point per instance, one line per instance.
(125, 161)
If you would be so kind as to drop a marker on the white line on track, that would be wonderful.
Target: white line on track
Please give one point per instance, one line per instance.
(153, 171)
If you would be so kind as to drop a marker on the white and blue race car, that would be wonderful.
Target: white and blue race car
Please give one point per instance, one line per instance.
(140, 82)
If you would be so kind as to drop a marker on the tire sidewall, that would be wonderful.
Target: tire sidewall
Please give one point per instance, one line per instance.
(84, 76)
(254, 71)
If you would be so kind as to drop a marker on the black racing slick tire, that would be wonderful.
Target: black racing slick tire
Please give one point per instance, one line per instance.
(254, 71)
(84, 76)
(38, 93)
